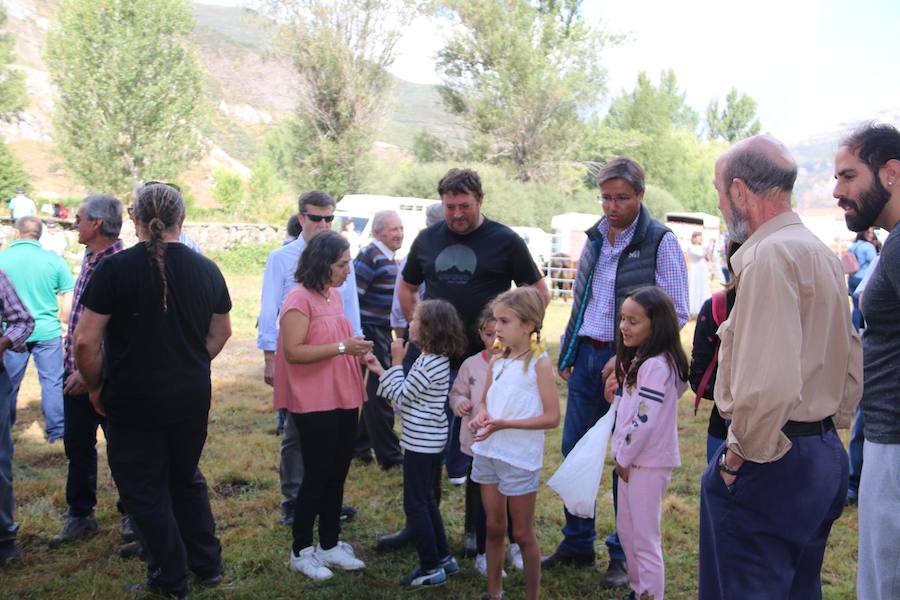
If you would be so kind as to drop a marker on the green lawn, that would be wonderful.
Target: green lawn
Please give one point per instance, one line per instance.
(240, 463)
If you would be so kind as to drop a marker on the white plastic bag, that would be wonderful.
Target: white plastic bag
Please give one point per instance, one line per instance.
(578, 478)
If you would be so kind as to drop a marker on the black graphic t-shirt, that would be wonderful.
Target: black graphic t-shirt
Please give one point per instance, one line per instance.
(469, 270)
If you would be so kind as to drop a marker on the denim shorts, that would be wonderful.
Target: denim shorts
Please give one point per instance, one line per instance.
(510, 480)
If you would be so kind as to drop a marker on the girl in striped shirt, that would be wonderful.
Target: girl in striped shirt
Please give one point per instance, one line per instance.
(420, 398)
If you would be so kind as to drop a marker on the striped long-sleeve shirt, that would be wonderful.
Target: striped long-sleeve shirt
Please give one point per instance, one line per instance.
(376, 274)
(17, 319)
(420, 398)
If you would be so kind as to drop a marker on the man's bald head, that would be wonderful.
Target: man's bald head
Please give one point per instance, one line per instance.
(29, 227)
(762, 163)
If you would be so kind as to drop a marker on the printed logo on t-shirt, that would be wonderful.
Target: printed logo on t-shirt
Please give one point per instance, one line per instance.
(456, 264)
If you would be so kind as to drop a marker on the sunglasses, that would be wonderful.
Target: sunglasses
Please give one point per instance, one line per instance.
(318, 218)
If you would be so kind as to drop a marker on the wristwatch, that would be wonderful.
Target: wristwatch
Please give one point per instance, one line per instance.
(724, 467)
(341, 348)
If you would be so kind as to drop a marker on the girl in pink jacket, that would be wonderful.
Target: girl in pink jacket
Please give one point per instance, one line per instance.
(651, 372)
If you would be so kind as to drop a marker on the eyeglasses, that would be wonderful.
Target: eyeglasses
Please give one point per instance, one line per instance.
(620, 199)
(171, 185)
(318, 218)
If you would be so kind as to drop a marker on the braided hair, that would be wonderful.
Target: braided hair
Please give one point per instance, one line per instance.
(158, 207)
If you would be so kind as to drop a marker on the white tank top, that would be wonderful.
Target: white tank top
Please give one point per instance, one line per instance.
(514, 395)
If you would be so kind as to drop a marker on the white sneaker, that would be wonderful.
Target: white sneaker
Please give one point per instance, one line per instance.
(340, 556)
(457, 480)
(310, 565)
(481, 565)
(514, 556)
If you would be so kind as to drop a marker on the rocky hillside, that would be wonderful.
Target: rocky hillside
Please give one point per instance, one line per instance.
(248, 86)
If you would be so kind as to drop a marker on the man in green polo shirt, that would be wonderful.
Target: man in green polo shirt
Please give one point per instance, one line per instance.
(40, 279)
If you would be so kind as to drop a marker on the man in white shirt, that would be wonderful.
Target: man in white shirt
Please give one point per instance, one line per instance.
(316, 212)
(21, 205)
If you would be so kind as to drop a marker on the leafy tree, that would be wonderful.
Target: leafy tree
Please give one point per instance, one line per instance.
(340, 49)
(228, 190)
(12, 82)
(130, 90)
(11, 174)
(652, 109)
(429, 148)
(736, 121)
(264, 183)
(518, 73)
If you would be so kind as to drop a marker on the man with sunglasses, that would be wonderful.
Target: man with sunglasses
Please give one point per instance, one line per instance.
(316, 212)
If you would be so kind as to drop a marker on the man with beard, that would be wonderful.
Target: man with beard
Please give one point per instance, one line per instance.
(790, 369)
(867, 170)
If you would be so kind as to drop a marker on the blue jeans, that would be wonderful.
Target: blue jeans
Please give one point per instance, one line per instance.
(856, 316)
(584, 407)
(48, 358)
(8, 527)
(855, 450)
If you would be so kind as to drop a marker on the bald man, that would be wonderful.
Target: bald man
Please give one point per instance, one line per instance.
(790, 371)
(44, 282)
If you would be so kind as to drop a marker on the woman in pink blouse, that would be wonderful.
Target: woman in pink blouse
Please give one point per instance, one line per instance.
(318, 380)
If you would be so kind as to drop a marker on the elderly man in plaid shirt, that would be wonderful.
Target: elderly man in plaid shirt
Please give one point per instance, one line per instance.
(99, 221)
(625, 250)
(19, 325)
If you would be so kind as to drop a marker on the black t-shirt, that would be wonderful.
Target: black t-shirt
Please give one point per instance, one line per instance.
(469, 270)
(155, 364)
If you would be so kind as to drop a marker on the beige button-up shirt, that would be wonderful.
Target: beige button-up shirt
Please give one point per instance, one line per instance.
(788, 350)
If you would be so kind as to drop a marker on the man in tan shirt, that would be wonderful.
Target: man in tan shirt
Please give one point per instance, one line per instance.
(790, 371)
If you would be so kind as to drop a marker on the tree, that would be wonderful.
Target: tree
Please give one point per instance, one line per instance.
(519, 73)
(736, 121)
(340, 49)
(12, 175)
(12, 82)
(429, 148)
(652, 109)
(228, 190)
(130, 105)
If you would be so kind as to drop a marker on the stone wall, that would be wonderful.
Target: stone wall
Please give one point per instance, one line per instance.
(211, 237)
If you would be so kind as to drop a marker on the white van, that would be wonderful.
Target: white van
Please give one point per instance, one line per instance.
(354, 213)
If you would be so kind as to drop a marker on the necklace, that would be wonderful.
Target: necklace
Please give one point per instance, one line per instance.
(508, 362)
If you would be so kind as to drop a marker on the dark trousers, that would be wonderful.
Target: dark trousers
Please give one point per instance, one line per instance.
(326, 443)
(765, 536)
(80, 440)
(165, 494)
(376, 427)
(421, 507)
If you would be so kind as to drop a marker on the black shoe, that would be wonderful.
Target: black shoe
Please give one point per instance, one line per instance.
(287, 515)
(616, 574)
(75, 528)
(394, 541)
(566, 557)
(9, 553)
(365, 458)
(128, 533)
(214, 580)
(132, 550)
(470, 546)
(348, 513)
(145, 587)
(387, 466)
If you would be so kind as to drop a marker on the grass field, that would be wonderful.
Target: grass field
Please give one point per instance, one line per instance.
(240, 463)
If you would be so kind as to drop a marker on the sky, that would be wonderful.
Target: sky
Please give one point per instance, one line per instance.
(813, 66)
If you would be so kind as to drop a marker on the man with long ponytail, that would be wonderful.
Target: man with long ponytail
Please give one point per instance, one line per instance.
(155, 315)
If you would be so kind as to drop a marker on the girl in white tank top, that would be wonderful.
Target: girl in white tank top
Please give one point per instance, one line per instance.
(520, 401)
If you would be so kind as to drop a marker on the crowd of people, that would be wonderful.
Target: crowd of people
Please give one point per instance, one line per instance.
(451, 340)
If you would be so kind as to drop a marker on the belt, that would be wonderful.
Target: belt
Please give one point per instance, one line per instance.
(801, 428)
(597, 343)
